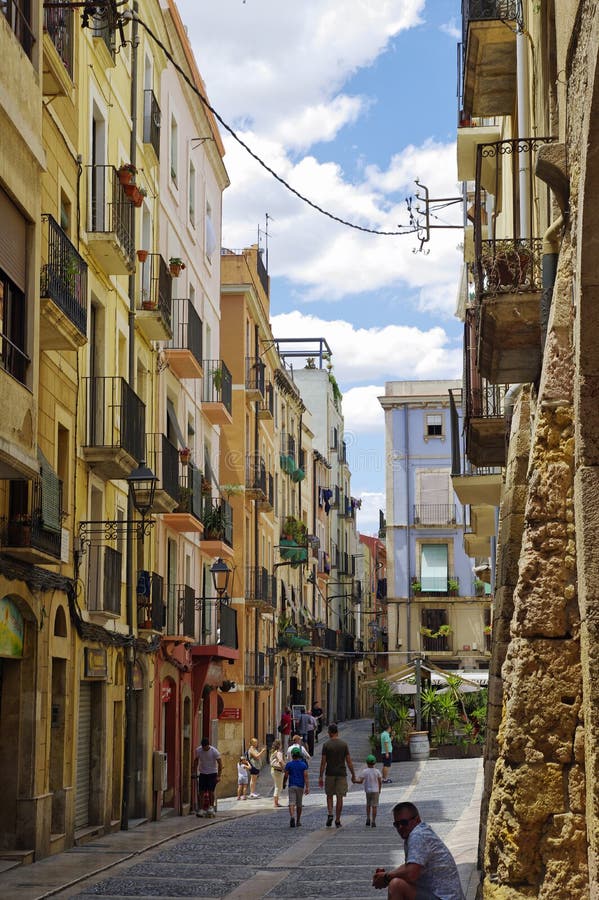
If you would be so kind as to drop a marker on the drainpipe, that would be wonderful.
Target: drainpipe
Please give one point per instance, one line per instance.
(129, 662)
(256, 530)
(551, 242)
(523, 132)
(408, 561)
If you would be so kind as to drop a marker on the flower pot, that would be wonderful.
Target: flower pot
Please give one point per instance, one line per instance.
(125, 176)
(131, 190)
(148, 304)
(142, 255)
(138, 200)
(175, 270)
(184, 456)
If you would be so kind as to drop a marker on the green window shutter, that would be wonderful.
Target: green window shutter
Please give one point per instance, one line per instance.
(50, 496)
(433, 567)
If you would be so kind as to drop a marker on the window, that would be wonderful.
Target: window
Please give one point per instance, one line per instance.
(13, 357)
(433, 494)
(433, 425)
(210, 234)
(174, 151)
(18, 14)
(192, 195)
(433, 568)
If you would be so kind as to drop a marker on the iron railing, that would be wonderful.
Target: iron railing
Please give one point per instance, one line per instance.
(487, 11)
(346, 564)
(162, 457)
(58, 25)
(190, 491)
(152, 119)
(254, 374)
(258, 668)
(218, 383)
(482, 400)
(255, 473)
(436, 645)
(18, 15)
(330, 639)
(217, 519)
(104, 579)
(29, 529)
(110, 211)
(434, 514)
(157, 286)
(64, 275)
(443, 585)
(218, 623)
(186, 326)
(324, 565)
(114, 415)
(260, 586)
(13, 358)
(267, 404)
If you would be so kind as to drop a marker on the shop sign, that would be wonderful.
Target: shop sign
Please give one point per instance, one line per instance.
(231, 712)
(96, 663)
(166, 692)
(11, 630)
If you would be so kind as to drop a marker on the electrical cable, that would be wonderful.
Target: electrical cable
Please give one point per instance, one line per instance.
(412, 229)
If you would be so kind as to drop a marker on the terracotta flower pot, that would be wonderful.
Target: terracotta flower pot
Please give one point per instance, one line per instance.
(175, 270)
(125, 176)
(148, 304)
(131, 190)
(142, 255)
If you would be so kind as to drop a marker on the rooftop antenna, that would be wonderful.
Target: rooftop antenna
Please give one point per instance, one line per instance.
(424, 229)
(265, 233)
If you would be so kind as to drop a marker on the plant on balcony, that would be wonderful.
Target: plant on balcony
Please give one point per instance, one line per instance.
(126, 173)
(443, 631)
(185, 455)
(176, 266)
(231, 490)
(487, 630)
(146, 301)
(416, 587)
(453, 585)
(131, 191)
(142, 255)
(138, 199)
(214, 522)
(295, 530)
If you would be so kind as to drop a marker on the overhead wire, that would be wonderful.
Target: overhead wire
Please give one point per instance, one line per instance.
(406, 229)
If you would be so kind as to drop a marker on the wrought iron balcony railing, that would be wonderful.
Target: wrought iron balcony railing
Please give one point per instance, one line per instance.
(254, 375)
(64, 274)
(218, 383)
(434, 514)
(255, 473)
(186, 326)
(156, 287)
(110, 211)
(217, 519)
(152, 120)
(58, 25)
(114, 415)
(39, 528)
(260, 587)
(163, 459)
(258, 669)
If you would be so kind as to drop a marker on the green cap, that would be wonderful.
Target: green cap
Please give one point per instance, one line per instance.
(370, 758)
(295, 751)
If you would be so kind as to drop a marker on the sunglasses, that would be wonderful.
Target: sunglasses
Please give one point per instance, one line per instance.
(401, 823)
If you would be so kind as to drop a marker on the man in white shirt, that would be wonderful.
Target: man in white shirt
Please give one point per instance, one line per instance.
(296, 741)
(208, 766)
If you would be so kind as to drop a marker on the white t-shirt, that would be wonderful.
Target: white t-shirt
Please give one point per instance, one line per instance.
(440, 876)
(207, 764)
(305, 753)
(372, 780)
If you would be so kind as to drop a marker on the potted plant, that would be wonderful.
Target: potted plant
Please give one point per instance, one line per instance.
(126, 173)
(214, 522)
(131, 191)
(453, 585)
(416, 587)
(139, 199)
(176, 266)
(146, 300)
(217, 379)
(142, 255)
(185, 455)
(487, 630)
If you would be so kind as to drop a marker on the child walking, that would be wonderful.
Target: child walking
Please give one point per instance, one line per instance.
(243, 777)
(372, 780)
(296, 772)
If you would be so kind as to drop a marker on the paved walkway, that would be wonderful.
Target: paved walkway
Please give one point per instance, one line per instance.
(248, 850)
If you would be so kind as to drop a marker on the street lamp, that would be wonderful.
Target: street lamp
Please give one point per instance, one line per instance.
(142, 489)
(220, 578)
(142, 482)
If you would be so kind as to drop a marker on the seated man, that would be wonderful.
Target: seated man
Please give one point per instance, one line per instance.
(429, 872)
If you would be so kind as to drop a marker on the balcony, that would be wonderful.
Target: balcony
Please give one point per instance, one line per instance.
(111, 222)
(323, 565)
(440, 586)
(154, 305)
(35, 536)
(436, 644)
(436, 515)
(258, 670)
(217, 392)
(152, 120)
(267, 503)
(218, 629)
(254, 378)
(185, 604)
(18, 15)
(266, 406)
(163, 459)
(58, 52)
(255, 477)
(484, 420)
(114, 417)
(346, 564)
(260, 588)
(104, 582)
(330, 639)
(508, 269)
(151, 608)
(489, 57)
(184, 352)
(63, 291)
(186, 518)
(217, 519)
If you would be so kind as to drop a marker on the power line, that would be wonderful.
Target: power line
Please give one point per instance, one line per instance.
(411, 229)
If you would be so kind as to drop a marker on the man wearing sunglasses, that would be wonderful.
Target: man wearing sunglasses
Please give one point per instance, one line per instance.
(429, 872)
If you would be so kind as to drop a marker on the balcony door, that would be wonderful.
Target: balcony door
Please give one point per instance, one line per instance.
(433, 568)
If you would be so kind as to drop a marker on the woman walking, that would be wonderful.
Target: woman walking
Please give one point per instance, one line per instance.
(255, 759)
(277, 770)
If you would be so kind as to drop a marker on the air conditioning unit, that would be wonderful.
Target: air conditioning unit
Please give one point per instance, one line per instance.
(160, 770)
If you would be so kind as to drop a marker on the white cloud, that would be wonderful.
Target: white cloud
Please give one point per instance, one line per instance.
(368, 515)
(362, 411)
(452, 29)
(378, 354)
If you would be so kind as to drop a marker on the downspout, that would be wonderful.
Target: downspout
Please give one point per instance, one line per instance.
(551, 242)
(129, 661)
(523, 132)
(408, 561)
(256, 530)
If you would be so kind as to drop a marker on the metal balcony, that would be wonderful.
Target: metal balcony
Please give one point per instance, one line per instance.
(489, 57)
(218, 624)
(58, 52)
(163, 459)
(18, 15)
(484, 419)
(104, 581)
(254, 378)
(111, 222)
(258, 669)
(217, 519)
(441, 515)
(63, 291)
(152, 121)
(153, 314)
(151, 608)
(186, 517)
(260, 587)
(266, 406)
(267, 503)
(217, 392)
(31, 536)
(114, 417)
(184, 352)
(255, 477)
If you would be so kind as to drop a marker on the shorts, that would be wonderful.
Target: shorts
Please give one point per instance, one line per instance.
(335, 785)
(207, 782)
(296, 796)
(372, 798)
(254, 770)
(386, 758)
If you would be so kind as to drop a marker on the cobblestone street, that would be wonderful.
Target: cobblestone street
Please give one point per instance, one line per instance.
(251, 854)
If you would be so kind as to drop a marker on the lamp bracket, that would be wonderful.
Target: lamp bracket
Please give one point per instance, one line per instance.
(98, 530)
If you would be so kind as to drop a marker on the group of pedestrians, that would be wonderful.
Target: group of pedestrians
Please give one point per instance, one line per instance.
(429, 871)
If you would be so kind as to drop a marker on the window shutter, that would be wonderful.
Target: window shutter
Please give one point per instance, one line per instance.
(433, 568)
(13, 241)
(50, 499)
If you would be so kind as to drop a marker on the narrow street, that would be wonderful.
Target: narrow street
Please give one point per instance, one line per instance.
(249, 851)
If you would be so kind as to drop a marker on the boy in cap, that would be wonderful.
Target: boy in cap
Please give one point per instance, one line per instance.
(372, 780)
(296, 772)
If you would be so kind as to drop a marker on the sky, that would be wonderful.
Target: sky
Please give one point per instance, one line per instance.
(349, 101)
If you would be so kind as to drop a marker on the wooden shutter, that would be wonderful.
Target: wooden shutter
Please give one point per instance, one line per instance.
(13, 241)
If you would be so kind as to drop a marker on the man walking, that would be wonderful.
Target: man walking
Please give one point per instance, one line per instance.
(318, 714)
(335, 756)
(296, 772)
(296, 743)
(209, 766)
(386, 753)
(429, 872)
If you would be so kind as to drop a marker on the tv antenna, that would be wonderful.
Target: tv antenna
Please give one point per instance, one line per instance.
(424, 229)
(265, 233)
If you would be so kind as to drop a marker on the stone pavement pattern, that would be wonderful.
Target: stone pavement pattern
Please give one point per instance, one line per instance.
(248, 851)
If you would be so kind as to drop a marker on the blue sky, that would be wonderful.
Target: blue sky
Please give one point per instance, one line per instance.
(349, 102)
